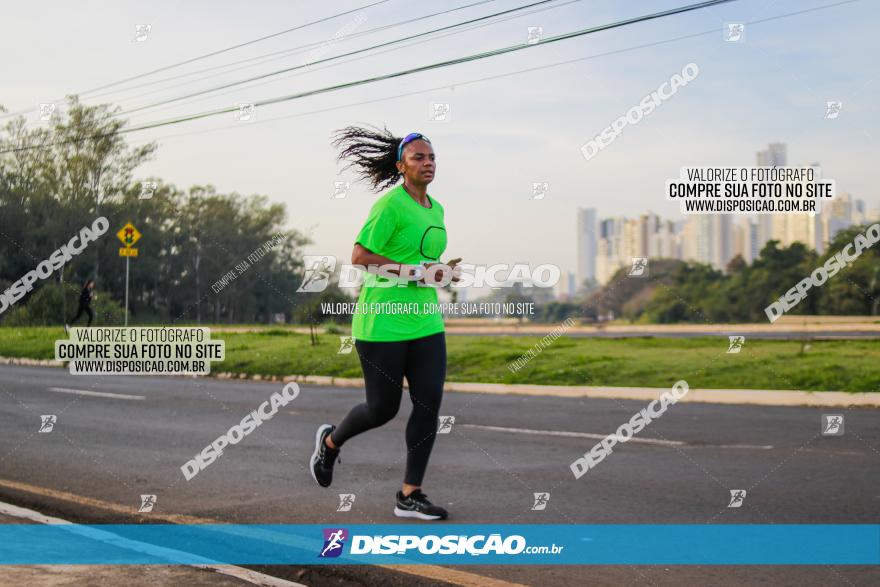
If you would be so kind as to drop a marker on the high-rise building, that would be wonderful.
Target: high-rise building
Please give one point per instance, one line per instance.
(775, 155)
(722, 241)
(740, 239)
(745, 231)
(805, 228)
(662, 243)
(567, 286)
(709, 239)
(605, 262)
(839, 214)
(793, 227)
(587, 240)
(610, 248)
(859, 212)
(622, 239)
(632, 243)
(752, 239)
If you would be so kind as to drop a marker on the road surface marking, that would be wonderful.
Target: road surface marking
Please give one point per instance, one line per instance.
(452, 576)
(659, 441)
(835, 452)
(243, 574)
(96, 393)
(572, 434)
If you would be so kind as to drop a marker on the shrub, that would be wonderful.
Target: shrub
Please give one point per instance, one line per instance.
(45, 308)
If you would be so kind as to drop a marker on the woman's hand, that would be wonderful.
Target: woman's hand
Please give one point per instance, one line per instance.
(456, 270)
(453, 264)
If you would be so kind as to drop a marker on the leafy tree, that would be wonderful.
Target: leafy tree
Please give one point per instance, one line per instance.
(856, 288)
(58, 177)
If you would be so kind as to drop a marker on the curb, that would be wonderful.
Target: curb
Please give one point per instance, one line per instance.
(761, 397)
(30, 362)
(758, 397)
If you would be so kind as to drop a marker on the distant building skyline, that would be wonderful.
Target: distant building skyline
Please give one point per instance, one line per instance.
(713, 239)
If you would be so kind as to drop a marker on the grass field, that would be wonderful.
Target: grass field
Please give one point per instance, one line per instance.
(845, 365)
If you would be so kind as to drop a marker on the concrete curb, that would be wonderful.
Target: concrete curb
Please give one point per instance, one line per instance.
(30, 362)
(763, 397)
(759, 397)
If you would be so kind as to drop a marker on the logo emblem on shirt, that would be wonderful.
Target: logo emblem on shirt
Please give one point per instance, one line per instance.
(433, 242)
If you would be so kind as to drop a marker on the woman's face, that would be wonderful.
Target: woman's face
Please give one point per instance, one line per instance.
(417, 163)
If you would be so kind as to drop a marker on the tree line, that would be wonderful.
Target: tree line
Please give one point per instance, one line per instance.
(679, 291)
(60, 175)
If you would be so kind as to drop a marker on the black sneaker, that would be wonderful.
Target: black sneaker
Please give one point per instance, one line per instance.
(416, 505)
(324, 457)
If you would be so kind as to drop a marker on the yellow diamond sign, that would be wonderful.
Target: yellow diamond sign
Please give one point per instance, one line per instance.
(128, 235)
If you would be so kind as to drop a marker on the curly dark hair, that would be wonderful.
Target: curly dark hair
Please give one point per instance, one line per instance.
(373, 152)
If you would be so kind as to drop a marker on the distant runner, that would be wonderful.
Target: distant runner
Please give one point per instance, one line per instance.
(85, 303)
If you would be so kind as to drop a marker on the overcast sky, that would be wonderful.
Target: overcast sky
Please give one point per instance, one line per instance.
(503, 134)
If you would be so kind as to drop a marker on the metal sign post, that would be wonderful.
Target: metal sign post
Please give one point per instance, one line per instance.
(128, 235)
(127, 259)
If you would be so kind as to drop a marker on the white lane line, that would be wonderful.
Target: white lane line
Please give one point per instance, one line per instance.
(642, 440)
(573, 434)
(835, 452)
(97, 393)
(241, 573)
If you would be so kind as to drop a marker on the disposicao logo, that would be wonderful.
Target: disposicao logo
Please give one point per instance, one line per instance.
(334, 542)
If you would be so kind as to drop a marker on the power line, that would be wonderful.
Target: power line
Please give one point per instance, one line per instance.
(412, 44)
(436, 88)
(475, 57)
(275, 55)
(233, 47)
(335, 57)
(438, 65)
(213, 53)
(713, 31)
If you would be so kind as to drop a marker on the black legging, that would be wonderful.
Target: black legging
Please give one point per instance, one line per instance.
(86, 309)
(423, 362)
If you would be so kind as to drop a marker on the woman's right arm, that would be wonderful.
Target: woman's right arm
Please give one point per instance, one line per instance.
(364, 257)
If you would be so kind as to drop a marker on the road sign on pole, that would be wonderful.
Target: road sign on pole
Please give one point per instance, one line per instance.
(129, 235)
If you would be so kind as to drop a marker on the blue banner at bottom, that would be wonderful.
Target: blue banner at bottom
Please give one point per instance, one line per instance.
(453, 544)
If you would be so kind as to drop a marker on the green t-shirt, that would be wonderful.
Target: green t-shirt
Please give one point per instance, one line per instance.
(403, 230)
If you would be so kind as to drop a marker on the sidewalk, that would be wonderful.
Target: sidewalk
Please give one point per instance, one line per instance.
(128, 575)
(103, 575)
(761, 397)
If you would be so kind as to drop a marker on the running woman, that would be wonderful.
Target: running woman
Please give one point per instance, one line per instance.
(86, 295)
(405, 234)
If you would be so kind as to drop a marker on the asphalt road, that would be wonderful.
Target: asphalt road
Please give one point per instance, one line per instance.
(114, 449)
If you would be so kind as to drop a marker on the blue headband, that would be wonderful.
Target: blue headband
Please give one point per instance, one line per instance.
(409, 138)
